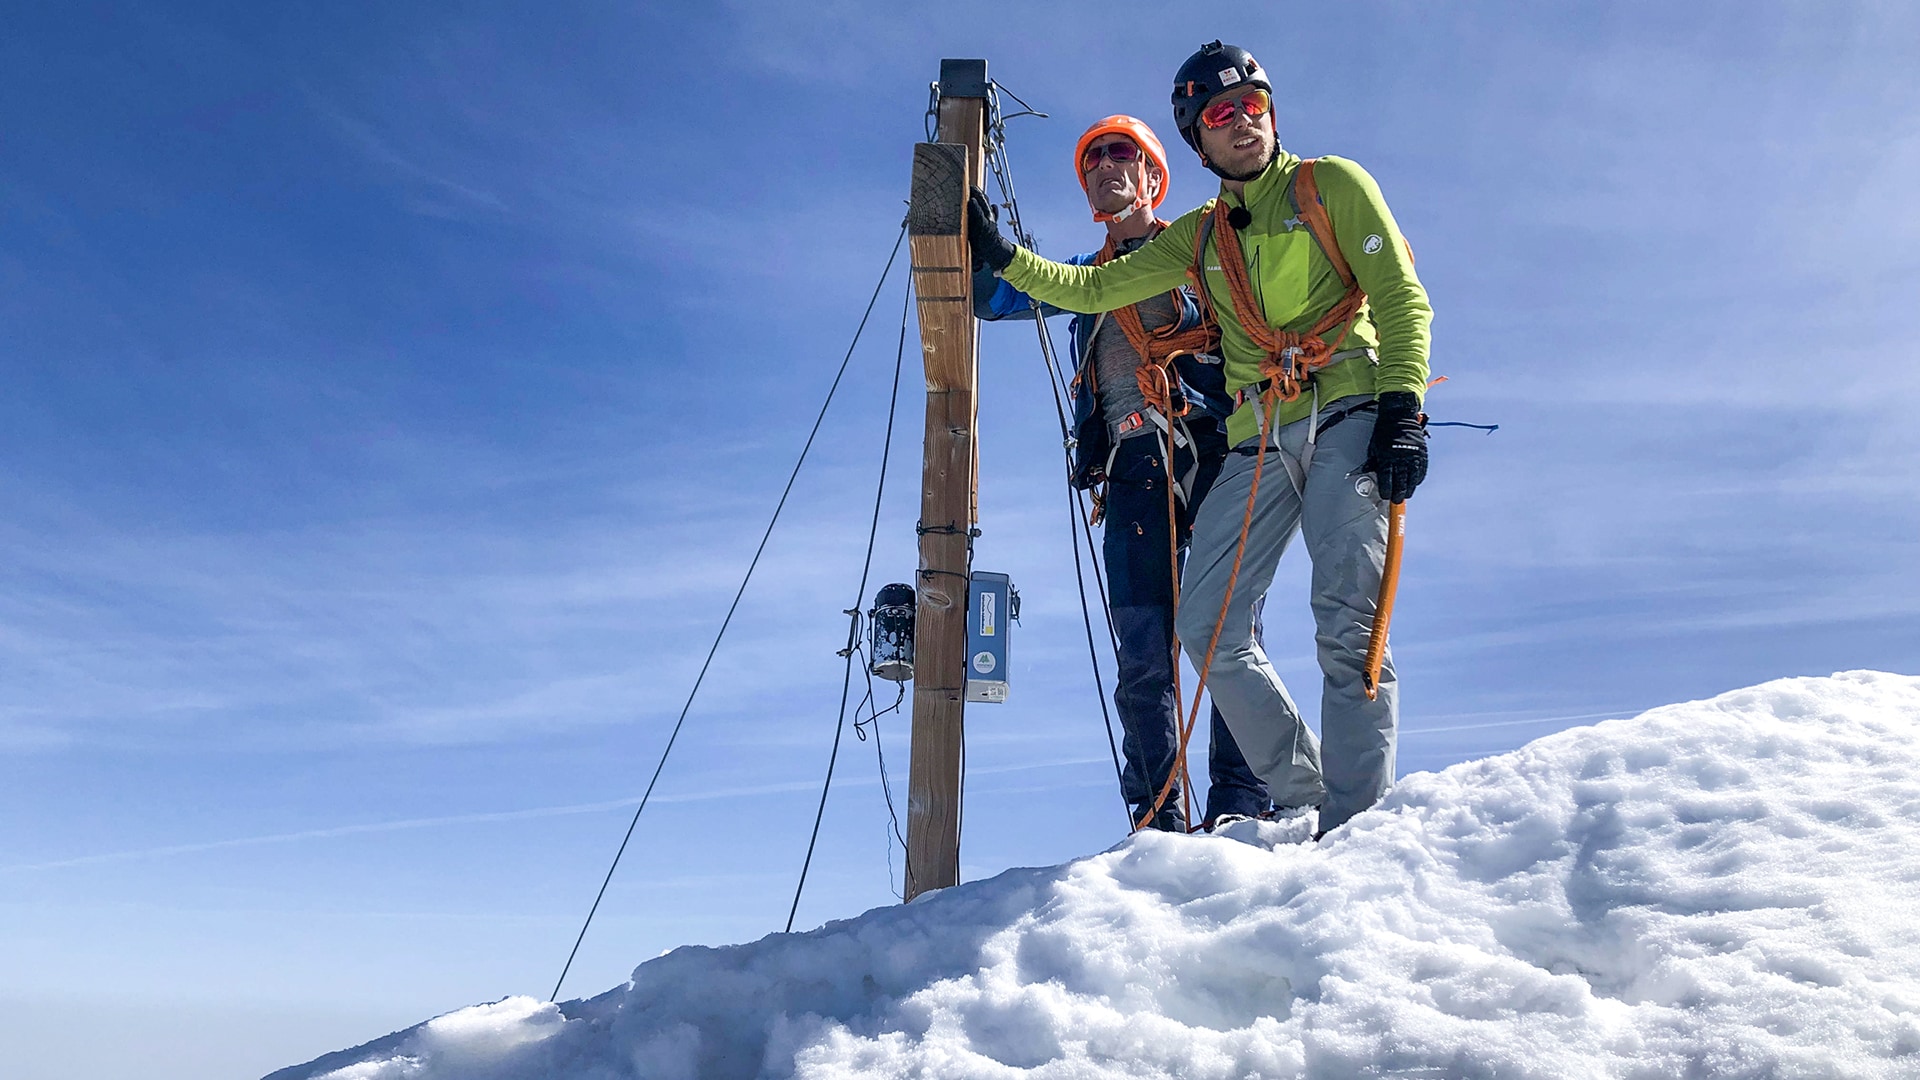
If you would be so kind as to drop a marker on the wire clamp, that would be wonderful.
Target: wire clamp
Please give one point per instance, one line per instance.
(949, 529)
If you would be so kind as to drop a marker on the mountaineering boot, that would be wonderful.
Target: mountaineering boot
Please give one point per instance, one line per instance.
(1170, 818)
(1272, 830)
(1310, 814)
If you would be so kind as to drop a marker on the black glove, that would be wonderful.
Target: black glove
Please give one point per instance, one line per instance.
(1397, 455)
(983, 235)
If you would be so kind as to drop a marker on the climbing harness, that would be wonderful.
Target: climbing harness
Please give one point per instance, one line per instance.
(1157, 349)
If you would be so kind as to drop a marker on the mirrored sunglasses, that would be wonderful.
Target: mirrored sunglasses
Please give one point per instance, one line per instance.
(1121, 151)
(1254, 102)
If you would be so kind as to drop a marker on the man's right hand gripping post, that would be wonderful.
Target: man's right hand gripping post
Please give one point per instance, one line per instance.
(989, 247)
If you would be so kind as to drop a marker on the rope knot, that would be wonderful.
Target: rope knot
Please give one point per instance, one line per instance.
(1156, 386)
(1289, 366)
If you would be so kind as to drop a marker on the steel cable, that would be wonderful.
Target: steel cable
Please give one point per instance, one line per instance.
(728, 620)
(853, 639)
(1079, 525)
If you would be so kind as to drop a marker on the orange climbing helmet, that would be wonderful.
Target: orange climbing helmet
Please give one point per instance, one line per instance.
(1143, 137)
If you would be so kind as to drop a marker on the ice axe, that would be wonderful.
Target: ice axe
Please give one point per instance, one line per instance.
(1383, 610)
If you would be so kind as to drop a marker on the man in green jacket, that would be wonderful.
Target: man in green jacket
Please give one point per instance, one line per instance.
(1328, 363)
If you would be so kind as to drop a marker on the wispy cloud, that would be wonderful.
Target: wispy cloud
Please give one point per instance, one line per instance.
(1416, 730)
(415, 630)
(734, 794)
(368, 141)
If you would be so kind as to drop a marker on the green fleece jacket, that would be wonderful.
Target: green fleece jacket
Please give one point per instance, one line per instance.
(1292, 278)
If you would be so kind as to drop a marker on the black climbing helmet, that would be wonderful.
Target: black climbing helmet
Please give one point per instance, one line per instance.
(1214, 68)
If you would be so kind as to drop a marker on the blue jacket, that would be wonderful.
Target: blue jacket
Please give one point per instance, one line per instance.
(1203, 383)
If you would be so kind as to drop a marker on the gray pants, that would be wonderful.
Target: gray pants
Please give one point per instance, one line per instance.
(1333, 506)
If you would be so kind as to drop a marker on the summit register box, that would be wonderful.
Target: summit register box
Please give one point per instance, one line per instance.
(992, 605)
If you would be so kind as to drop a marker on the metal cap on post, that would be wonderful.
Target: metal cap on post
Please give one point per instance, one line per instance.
(943, 171)
(963, 79)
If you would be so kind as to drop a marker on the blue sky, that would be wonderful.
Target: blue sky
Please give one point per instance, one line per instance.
(395, 394)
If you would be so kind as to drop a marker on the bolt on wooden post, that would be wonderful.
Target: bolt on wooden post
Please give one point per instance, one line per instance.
(943, 171)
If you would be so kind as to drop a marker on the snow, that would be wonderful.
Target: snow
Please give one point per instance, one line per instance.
(1720, 888)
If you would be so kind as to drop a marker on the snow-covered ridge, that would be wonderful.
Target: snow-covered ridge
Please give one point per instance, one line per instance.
(1721, 888)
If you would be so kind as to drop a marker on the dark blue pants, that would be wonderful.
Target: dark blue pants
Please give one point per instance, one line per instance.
(1140, 576)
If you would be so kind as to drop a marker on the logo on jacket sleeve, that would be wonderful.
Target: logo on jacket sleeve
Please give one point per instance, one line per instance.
(1372, 244)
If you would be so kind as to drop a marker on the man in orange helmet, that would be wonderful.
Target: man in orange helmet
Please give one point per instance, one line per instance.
(1149, 399)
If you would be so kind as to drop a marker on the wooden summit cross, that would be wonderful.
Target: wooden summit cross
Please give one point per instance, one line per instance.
(943, 171)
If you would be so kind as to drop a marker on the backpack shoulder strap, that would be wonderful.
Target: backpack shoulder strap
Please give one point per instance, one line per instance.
(1086, 367)
(1313, 213)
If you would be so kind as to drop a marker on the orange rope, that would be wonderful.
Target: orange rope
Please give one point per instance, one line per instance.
(1157, 349)
(1288, 364)
(1173, 577)
(1290, 358)
(1157, 387)
(1213, 642)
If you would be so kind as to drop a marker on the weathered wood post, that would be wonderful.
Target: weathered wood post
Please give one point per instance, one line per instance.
(942, 279)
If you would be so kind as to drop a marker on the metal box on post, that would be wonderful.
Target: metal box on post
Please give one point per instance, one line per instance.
(991, 608)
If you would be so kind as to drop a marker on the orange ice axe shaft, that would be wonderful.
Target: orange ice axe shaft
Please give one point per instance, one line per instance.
(1383, 611)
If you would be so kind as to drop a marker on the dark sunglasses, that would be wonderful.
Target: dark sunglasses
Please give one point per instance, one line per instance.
(1254, 102)
(1121, 152)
